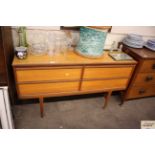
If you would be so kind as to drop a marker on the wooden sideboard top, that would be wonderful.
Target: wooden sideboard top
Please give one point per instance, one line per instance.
(71, 58)
(143, 53)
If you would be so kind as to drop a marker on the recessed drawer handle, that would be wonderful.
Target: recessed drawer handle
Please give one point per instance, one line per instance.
(66, 74)
(153, 66)
(142, 91)
(148, 78)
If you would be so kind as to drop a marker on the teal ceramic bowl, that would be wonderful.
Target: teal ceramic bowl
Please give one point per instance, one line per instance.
(91, 43)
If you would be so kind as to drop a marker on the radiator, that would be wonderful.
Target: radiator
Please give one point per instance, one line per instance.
(5, 110)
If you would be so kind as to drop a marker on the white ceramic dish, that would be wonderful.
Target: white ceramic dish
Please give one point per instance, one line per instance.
(151, 48)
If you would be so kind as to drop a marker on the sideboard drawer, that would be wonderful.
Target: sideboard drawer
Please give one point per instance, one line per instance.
(144, 79)
(101, 73)
(104, 84)
(51, 74)
(148, 66)
(47, 88)
(141, 91)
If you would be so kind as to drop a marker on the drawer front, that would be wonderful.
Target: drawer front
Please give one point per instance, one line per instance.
(47, 88)
(101, 73)
(104, 84)
(144, 79)
(28, 75)
(148, 66)
(143, 91)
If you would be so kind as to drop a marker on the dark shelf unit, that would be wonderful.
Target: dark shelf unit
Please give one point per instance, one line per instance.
(6, 58)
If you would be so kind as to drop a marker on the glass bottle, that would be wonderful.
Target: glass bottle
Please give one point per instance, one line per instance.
(22, 36)
(112, 46)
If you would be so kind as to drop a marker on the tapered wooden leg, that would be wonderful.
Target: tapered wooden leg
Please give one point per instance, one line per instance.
(122, 102)
(122, 98)
(107, 96)
(41, 100)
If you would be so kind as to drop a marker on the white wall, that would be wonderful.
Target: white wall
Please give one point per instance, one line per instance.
(44, 32)
(111, 37)
(141, 30)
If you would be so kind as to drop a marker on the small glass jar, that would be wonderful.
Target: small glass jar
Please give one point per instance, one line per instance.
(38, 49)
(51, 44)
(58, 45)
(62, 45)
(21, 52)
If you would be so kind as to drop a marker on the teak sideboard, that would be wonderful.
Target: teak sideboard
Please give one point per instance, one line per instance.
(70, 74)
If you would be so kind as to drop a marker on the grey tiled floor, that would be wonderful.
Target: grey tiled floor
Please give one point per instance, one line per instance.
(85, 113)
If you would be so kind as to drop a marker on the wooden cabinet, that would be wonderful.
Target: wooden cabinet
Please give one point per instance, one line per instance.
(45, 76)
(143, 80)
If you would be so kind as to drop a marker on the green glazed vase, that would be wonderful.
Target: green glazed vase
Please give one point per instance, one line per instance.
(91, 43)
